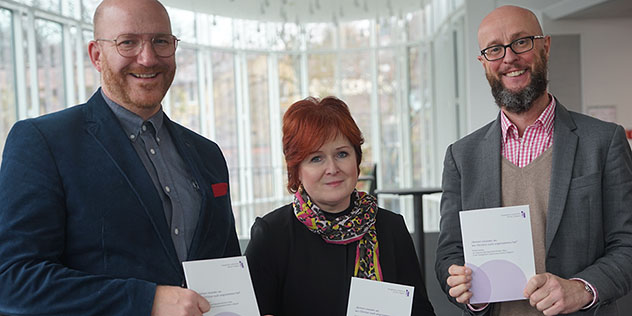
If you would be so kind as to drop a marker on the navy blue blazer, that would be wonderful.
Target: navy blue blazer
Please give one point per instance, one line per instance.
(82, 228)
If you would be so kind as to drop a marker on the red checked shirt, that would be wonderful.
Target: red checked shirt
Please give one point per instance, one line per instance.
(537, 138)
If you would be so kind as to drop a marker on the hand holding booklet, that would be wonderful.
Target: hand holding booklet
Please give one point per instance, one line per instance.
(225, 283)
(498, 247)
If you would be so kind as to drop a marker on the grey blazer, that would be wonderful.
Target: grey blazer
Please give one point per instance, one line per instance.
(589, 219)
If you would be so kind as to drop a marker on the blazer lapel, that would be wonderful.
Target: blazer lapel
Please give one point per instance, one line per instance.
(564, 147)
(103, 125)
(490, 164)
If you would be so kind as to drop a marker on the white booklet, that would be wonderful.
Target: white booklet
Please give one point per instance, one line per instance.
(498, 247)
(225, 283)
(368, 297)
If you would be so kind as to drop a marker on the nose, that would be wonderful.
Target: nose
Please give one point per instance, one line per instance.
(510, 56)
(147, 56)
(331, 166)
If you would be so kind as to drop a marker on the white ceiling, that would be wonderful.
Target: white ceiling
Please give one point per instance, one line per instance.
(303, 11)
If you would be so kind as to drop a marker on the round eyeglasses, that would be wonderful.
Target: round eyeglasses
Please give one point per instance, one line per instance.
(130, 45)
(518, 46)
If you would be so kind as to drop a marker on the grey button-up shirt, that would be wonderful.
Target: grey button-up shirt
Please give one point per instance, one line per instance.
(179, 192)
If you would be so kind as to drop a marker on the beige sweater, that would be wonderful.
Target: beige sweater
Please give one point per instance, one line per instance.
(528, 185)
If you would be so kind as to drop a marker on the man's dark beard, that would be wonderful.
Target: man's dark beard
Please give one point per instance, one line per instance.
(521, 101)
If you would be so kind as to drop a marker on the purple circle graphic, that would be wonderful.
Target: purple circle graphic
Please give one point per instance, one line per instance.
(508, 280)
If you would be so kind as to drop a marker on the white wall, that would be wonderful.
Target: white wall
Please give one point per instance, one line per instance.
(606, 50)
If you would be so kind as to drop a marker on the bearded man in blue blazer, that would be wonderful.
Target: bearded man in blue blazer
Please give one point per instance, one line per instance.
(574, 172)
(102, 202)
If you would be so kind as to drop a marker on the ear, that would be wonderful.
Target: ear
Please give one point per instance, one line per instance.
(482, 60)
(94, 51)
(547, 45)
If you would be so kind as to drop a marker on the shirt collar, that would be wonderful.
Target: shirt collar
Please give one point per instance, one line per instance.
(131, 122)
(545, 119)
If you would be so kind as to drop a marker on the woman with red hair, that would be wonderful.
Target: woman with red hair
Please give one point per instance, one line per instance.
(302, 256)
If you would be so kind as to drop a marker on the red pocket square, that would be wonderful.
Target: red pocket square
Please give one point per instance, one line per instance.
(219, 189)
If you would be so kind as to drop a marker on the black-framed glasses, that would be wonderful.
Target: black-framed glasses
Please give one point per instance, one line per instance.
(130, 45)
(518, 46)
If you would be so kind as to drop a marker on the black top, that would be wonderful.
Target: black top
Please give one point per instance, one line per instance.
(296, 273)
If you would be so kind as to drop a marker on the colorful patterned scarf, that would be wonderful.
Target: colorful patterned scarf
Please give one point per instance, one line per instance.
(359, 224)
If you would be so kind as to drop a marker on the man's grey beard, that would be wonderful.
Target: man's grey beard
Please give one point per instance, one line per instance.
(521, 101)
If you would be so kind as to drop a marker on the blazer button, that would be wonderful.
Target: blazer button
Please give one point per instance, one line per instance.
(183, 285)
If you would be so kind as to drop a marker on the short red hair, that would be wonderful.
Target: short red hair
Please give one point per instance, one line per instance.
(310, 123)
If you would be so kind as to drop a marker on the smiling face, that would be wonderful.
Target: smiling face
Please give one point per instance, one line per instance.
(137, 83)
(330, 174)
(517, 80)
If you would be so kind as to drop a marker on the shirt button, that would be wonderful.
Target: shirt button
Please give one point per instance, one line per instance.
(144, 128)
(167, 188)
(195, 185)
(176, 231)
(132, 137)
(152, 151)
(157, 139)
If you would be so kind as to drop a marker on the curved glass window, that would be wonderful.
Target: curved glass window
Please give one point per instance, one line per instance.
(235, 80)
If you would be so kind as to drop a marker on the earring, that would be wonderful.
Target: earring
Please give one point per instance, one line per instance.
(300, 188)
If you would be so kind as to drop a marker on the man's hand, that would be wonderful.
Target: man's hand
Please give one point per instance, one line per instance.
(177, 301)
(460, 281)
(553, 295)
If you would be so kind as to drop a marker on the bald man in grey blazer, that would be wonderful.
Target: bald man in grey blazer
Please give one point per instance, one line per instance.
(578, 184)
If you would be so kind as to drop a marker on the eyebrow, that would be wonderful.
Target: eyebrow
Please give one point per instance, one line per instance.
(513, 37)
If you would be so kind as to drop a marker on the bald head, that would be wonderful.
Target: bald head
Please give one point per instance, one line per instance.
(507, 22)
(110, 12)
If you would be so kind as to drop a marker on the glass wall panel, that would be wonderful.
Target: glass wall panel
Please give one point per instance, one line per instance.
(223, 68)
(389, 114)
(182, 24)
(289, 80)
(8, 108)
(416, 26)
(420, 111)
(322, 58)
(389, 118)
(48, 5)
(415, 109)
(390, 31)
(285, 36)
(263, 181)
(429, 166)
(30, 67)
(91, 75)
(184, 94)
(321, 71)
(355, 34)
(289, 92)
(355, 91)
(74, 39)
(221, 31)
(320, 36)
(253, 34)
(89, 6)
(202, 33)
(50, 70)
(71, 8)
